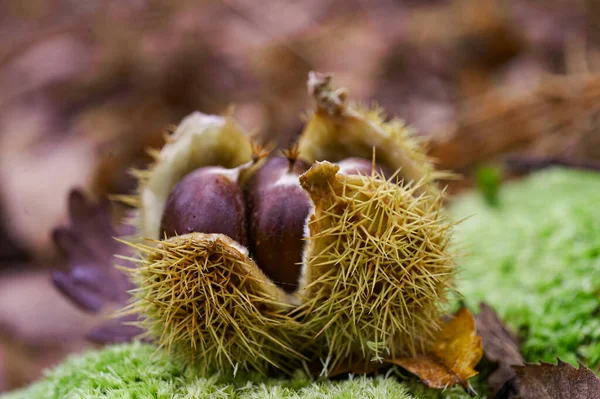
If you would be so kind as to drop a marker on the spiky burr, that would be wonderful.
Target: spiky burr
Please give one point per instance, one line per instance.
(377, 266)
(203, 299)
(340, 129)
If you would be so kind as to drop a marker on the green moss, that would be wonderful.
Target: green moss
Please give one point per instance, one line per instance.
(131, 372)
(536, 259)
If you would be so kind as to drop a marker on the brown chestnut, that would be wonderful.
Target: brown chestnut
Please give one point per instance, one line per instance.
(207, 200)
(277, 212)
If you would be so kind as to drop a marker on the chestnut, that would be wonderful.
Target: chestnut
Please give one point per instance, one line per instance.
(207, 200)
(277, 209)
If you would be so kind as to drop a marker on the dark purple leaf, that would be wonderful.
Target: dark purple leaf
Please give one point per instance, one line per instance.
(91, 280)
(116, 331)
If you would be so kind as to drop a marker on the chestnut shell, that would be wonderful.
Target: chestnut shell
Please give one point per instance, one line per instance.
(206, 201)
(277, 212)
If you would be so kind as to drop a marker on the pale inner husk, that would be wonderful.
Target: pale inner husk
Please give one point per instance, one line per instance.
(200, 140)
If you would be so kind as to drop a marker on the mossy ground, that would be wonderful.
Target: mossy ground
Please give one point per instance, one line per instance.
(535, 258)
(131, 372)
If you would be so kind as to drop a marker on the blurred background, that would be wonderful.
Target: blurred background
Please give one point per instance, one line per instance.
(86, 87)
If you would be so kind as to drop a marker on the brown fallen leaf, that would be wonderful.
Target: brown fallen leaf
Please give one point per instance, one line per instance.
(557, 381)
(452, 359)
(499, 346)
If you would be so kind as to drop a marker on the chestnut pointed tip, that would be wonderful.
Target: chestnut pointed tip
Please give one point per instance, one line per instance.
(260, 152)
(292, 154)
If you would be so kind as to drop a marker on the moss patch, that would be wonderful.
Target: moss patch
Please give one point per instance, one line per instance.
(536, 260)
(131, 372)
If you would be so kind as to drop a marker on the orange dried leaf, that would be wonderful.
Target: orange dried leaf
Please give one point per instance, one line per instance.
(452, 358)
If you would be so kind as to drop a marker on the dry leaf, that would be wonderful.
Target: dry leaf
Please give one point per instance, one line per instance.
(116, 330)
(499, 346)
(453, 357)
(557, 381)
(91, 281)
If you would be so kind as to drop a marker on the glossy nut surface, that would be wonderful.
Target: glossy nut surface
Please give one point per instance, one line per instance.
(207, 200)
(277, 212)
